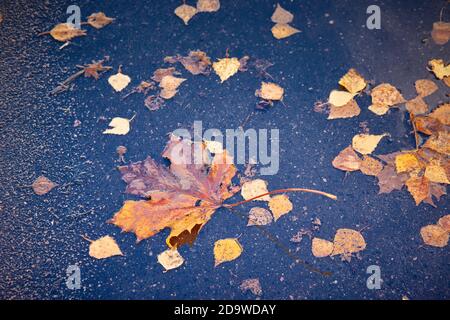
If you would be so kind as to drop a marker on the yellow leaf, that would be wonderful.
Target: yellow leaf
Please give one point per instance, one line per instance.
(270, 91)
(169, 85)
(226, 250)
(185, 12)
(280, 205)
(366, 143)
(347, 241)
(386, 95)
(321, 248)
(434, 235)
(104, 247)
(436, 173)
(120, 126)
(406, 162)
(425, 87)
(416, 106)
(170, 259)
(226, 67)
(379, 109)
(439, 68)
(255, 188)
(282, 30)
(340, 98)
(208, 5)
(281, 15)
(119, 81)
(353, 81)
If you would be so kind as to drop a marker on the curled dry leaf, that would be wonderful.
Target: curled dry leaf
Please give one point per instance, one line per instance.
(65, 31)
(339, 98)
(366, 143)
(425, 87)
(197, 62)
(255, 188)
(417, 106)
(347, 160)
(353, 82)
(120, 126)
(251, 285)
(160, 73)
(439, 68)
(283, 30)
(99, 20)
(226, 250)
(226, 67)
(42, 185)
(441, 32)
(104, 247)
(348, 241)
(434, 235)
(321, 248)
(185, 12)
(281, 15)
(259, 217)
(444, 222)
(371, 166)
(270, 91)
(170, 259)
(349, 110)
(208, 5)
(119, 81)
(280, 205)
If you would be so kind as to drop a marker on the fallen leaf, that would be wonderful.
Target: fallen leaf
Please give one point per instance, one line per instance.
(427, 124)
(119, 81)
(160, 73)
(406, 162)
(270, 91)
(353, 82)
(120, 126)
(340, 98)
(99, 20)
(444, 222)
(281, 15)
(321, 248)
(42, 185)
(348, 241)
(65, 31)
(347, 160)
(253, 188)
(185, 12)
(259, 217)
(208, 5)
(226, 250)
(419, 188)
(197, 62)
(434, 235)
(436, 191)
(386, 95)
(439, 68)
(104, 247)
(425, 87)
(366, 143)
(389, 180)
(371, 166)
(182, 198)
(439, 142)
(170, 259)
(349, 110)
(379, 109)
(282, 30)
(417, 106)
(280, 205)
(442, 114)
(441, 32)
(434, 172)
(154, 102)
(252, 285)
(226, 67)
(169, 85)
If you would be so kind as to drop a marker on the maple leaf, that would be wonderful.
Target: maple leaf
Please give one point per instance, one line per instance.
(182, 197)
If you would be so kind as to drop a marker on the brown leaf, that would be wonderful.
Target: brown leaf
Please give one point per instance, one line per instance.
(154, 102)
(347, 160)
(439, 142)
(348, 241)
(434, 235)
(353, 81)
(425, 87)
(427, 125)
(439, 68)
(208, 5)
(417, 106)
(259, 217)
(65, 31)
(436, 191)
(442, 114)
(99, 20)
(160, 73)
(252, 285)
(182, 198)
(42, 185)
(389, 180)
(436, 173)
(419, 188)
(386, 95)
(441, 32)
(197, 62)
(444, 222)
(349, 110)
(371, 166)
(281, 15)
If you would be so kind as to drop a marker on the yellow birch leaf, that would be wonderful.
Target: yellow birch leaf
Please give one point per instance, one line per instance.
(280, 205)
(348, 241)
(226, 67)
(321, 248)
(406, 162)
(270, 91)
(340, 98)
(436, 173)
(386, 95)
(366, 143)
(417, 106)
(425, 87)
(281, 15)
(283, 30)
(439, 142)
(119, 81)
(226, 250)
(185, 12)
(208, 5)
(104, 247)
(439, 68)
(120, 126)
(255, 188)
(170, 82)
(170, 259)
(353, 81)
(434, 235)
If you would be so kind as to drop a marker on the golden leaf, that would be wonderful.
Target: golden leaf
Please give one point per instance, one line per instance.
(434, 235)
(436, 173)
(170, 259)
(417, 106)
(99, 20)
(366, 143)
(226, 67)
(120, 126)
(371, 166)
(439, 69)
(321, 248)
(349, 110)
(348, 241)
(280, 205)
(255, 188)
(226, 250)
(270, 91)
(444, 222)
(340, 98)
(104, 247)
(386, 95)
(208, 5)
(353, 81)
(281, 15)
(425, 87)
(419, 188)
(259, 217)
(282, 30)
(185, 12)
(347, 160)
(442, 114)
(119, 81)
(379, 109)
(65, 31)
(406, 162)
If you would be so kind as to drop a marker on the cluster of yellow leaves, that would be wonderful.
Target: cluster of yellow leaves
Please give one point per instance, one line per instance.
(437, 235)
(345, 243)
(282, 19)
(186, 12)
